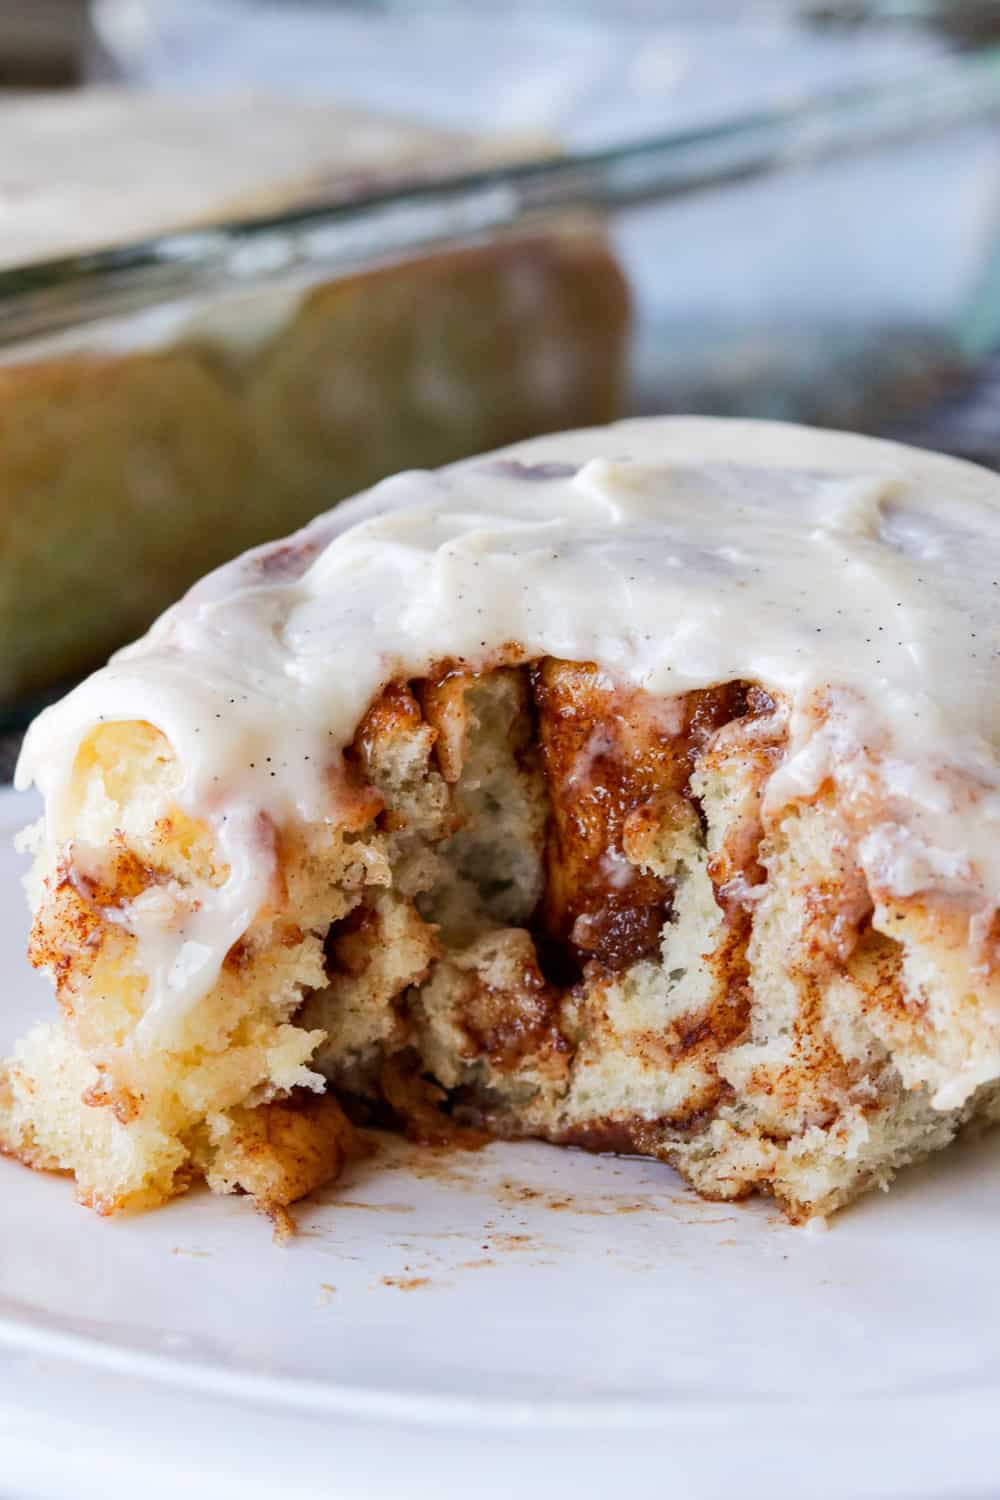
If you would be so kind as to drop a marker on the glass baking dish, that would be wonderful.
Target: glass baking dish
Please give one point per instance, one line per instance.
(833, 262)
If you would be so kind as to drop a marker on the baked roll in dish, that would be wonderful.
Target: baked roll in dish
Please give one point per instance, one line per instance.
(138, 452)
(636, 788)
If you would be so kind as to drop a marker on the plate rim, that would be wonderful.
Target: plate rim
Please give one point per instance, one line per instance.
(293, 1394)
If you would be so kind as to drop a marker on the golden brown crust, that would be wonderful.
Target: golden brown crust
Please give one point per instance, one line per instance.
(281, 1151)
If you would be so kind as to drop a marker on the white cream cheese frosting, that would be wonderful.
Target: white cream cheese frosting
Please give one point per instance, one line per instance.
(858, 579)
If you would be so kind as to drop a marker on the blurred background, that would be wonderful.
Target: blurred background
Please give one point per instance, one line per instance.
(487, 221)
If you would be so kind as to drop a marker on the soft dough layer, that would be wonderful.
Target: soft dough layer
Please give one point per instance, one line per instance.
(556, 911)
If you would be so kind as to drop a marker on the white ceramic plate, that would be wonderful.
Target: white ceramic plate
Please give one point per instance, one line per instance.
(515, 1321)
